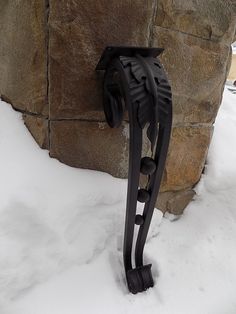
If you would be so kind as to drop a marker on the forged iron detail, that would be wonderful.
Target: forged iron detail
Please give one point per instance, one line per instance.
(135, 80)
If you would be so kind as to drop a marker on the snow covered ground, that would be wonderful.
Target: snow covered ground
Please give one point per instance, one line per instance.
(61, 234)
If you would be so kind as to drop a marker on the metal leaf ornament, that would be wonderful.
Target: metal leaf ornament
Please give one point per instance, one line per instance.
(144, 92)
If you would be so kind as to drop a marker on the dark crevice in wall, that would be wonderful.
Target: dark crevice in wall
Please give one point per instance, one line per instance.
(175, 125)
(47, 4)
(78, 119)
(47, 48)
(192, 124)
(152, 23)
(188, 34)
(38, 115)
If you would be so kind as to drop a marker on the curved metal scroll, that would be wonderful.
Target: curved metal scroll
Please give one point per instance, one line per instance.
(135, 80)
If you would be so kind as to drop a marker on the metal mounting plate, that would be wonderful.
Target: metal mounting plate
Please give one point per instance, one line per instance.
(112, 52)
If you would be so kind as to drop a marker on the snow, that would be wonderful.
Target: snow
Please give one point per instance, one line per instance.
(61, 234)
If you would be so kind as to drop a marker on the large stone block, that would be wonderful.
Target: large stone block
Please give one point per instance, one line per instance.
(38, 127)
(23, 54)
(174, 202)
(90, 145)
(197, 69)
(186, 157)
(79, 31)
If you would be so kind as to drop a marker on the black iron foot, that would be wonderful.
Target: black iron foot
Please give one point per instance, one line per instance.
(140, 279)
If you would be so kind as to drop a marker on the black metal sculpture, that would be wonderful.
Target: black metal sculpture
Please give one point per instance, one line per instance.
(135, 80)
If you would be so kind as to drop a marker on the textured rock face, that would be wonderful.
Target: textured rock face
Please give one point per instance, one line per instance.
(209, 20)
(38, 127)
(23, 57)
(79, 143)
(55, 46)
(186, 157)
(79, 31)
(175, 201)
(197, 70)
(196, 36)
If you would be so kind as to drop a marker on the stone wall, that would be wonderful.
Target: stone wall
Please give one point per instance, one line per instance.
(48, 53)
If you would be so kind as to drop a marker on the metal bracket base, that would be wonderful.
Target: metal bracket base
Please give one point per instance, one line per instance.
(140, 279)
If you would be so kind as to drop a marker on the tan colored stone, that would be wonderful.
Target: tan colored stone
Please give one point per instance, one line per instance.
(179, 201)
(38, 127)
(186, 157)
(211, 19)
(232, 73)
(90, 145)
(79, 32)
(174, 202)
(197, 70)
(23, 57)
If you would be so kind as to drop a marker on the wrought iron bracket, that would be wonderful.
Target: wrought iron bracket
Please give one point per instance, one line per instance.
(135, 80)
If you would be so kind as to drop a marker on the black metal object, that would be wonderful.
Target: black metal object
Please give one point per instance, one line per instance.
(135, 80)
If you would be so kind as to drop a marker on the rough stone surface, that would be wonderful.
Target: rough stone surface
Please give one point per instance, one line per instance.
(210, 20)
(186, 157)
(79, 32)
(91, 145)
(23, 58)
(38, 127)
(197, 71)
(174, 202)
